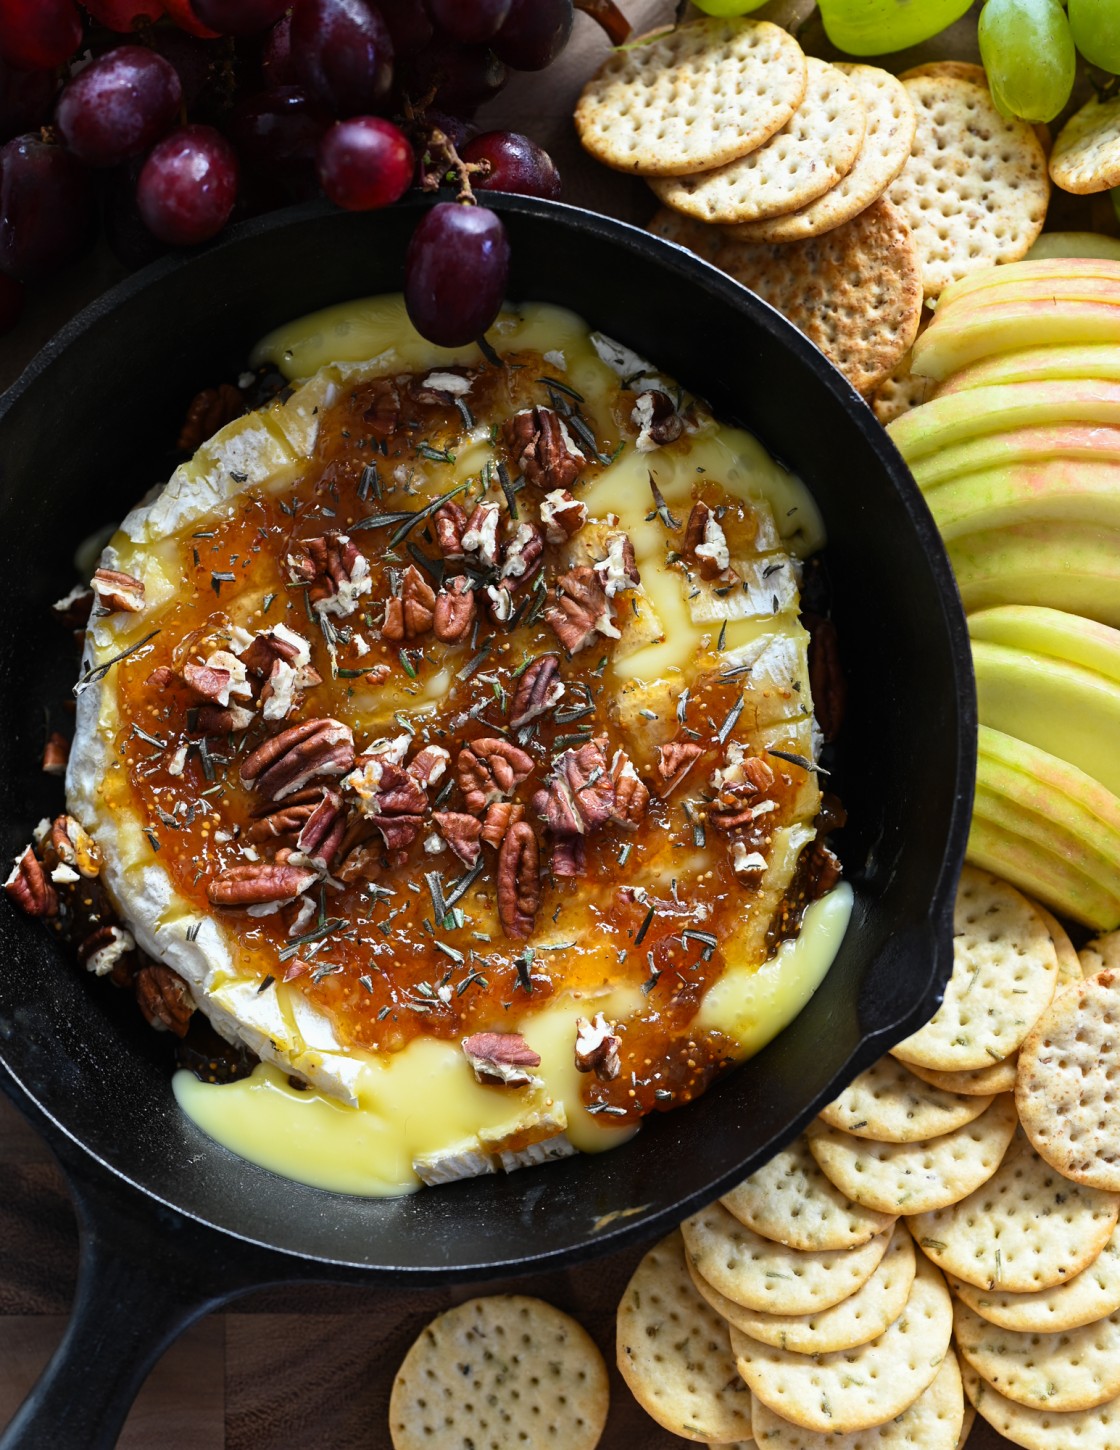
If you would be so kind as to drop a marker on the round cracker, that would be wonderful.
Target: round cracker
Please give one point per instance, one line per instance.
(1086, 154)
(1075, 1369)
(1101, 952)
(761, 1274)
(855, 1389)
(997, 1077)
(1093, 1294)
(791, 1201)
(674, 1352)
(916, 1177)
(900, 392)
(1026, 1229)
(1065, 1091)
(1069, 964)
(812, 151)
(691, 98)
(975, 189)
(891, 1105)
(1096, 1429)
(500, 1371)
(961, 70)
(966, 1427)
(885, 151)
(935, 1421)
(865, 1315)
(1004, 972)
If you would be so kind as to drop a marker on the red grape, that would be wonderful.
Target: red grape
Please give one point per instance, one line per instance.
(11, 302)
(124, 15)
(276, 135)
(516, 164)
(455, 273)
(188, 186)
(184, 17)
(39, 34)
(276, 57)
(47, 209)
(342, 54)
(239, 17)
(471, 21)
(462, 76)
(409, 26)
(25, 99)
(119, 106)
(535, 33)
(364, 162)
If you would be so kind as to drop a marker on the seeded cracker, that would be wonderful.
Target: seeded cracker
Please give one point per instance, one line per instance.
(1069, 964)
(868, 1312)
(933, 1422)
(855, 1389)
(1101, 952)
(900, 392)
(497, 1372)
(891, 1105)
(675, 1354)
(1092, 1294)
(692, 98)
(1073, 1369)
(791, 1201)
(975, 189)
(1096, 1429)
(812, 151)
(1004, 972)
(1026, 1229)
(762, 1275)
(999, 1077)
(1086, 155)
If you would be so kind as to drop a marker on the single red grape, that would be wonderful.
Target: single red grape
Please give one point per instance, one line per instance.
(47, 211)
(535, 33)
(39, 34)
(455, 273)
(276, 135)
(277, 68)
(470, 21)
(188, 185)
(364, 162)
(182, 13)
(516, 164)
(11, 302)
(124, 15)
(239, 17)
(462, 77)
(25, 99)
(342, 54)
(119, 106)
(410, 29)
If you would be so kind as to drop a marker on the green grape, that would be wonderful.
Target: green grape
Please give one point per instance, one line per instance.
(728, 7)
(873, 27)
(1096, 31)
(1028, 53)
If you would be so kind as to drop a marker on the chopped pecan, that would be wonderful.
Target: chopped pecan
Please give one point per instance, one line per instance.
(288, 761)
(738, 785)
(538, 690)
(480, 536)
(68, 843)
(322, 832)
(705, 543)
(541, 447)
(832, 816)
(569, 857)
(500, 816)
(29, 888)
(393, 804)
(582, 611)
(214, 720)
(818, 871)
(489, 769)
(442, 386)
(105, 951)
(454, 613)
(411, 614)
(501, 603)
(164, 998)
(501, 1057)
(519, 881)
(462, 833)
(208, 683)
(619, 570)
(364, 862)
(674, 761)
(656, 420)
(826, 678)
(335, 571)
(562, 516)
(73, 610)
(208, 411)
(56, 753)
(522, 556)
(450, 522)
(280, 824)
(258, 883)
(580, 795)
(115, 590)
(429, 765)
(383, 410)
(749, 866)
(631, 798)
(597, 1046)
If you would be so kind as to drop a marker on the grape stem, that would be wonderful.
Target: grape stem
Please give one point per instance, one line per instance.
(440, 162)
(609, 16)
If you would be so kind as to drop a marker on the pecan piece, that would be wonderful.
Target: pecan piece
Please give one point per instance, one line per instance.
(412, 614)
(619, 570)
(538, 690)
(705, 543)
(164, 998)
(500, 816)
(73, 610)
(280, 825)
(656, 420)
(454, 613)
(674, 761)
(68, 843)
(522, 556)
(288, 761)
(429, 765)
(569, 857)
(582, 611)
(115, 590)
(56, 753)
(489, 769)
(383, 410)
(519, 881)
(580, 795)
(501, 1057)
(462, 833)
(597, 1046)
(208, 683)
(450, 523)
(738, 785)
(322, 832)
(259, 883)
(104, 952)
(28, 887)
(826, 678)
(442, 386)
(631, 797)
(208, 411)
(541, 447)
(562, 516)
(214, 720)
(335, 571)
(480, 536)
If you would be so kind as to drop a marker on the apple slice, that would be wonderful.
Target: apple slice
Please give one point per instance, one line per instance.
(1052, 245)
(1020, 445)
(1040, 873)
(1065, 709)
(1042, 270)
(965, 336)
(980, 412)
(1036, 364)
(1059, 489)
(1075, 567)
(1051, 632)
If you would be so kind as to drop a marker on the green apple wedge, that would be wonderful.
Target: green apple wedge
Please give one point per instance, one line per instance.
(1040, 873)
(980, 412)
(965, 336)
(1030, 446)
(990, 280)
(1065, 709)
(1062, 565)
(1051, 632)
(1052, 245)
(1035, 364)
(1058, 489)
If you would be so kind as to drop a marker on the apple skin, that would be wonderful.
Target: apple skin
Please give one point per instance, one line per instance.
(1037, 364)
(1028, 446)
(1053, 633)
(963, 337)
(1040, 874)
(1051, 246)
(1050, 269)
(1058, 489)
(1068, 566)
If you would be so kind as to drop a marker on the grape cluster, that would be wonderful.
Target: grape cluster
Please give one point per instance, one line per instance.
(1030, 47)
(167, 119)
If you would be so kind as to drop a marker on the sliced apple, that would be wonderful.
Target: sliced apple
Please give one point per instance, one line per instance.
(964, 337)
(1036, 364)
(1051, 632)
(1021, 445)
(990, 280)
(1041, 873)
(1061, 565)
(1065, 709)
(1052, 245)
(981, 412)
(1060, 489)
(1085, 282)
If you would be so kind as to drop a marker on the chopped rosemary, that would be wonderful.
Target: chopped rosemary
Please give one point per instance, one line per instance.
(729, 720)
(798, 760)
(369, 483)
(265, 984)
(507, 489)
(661, 507)
(294, 947)
(645, 926)
(98, 672)
(435, 455)
(682, 705)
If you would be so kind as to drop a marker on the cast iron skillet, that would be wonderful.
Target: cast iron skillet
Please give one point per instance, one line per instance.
(173, 1225)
